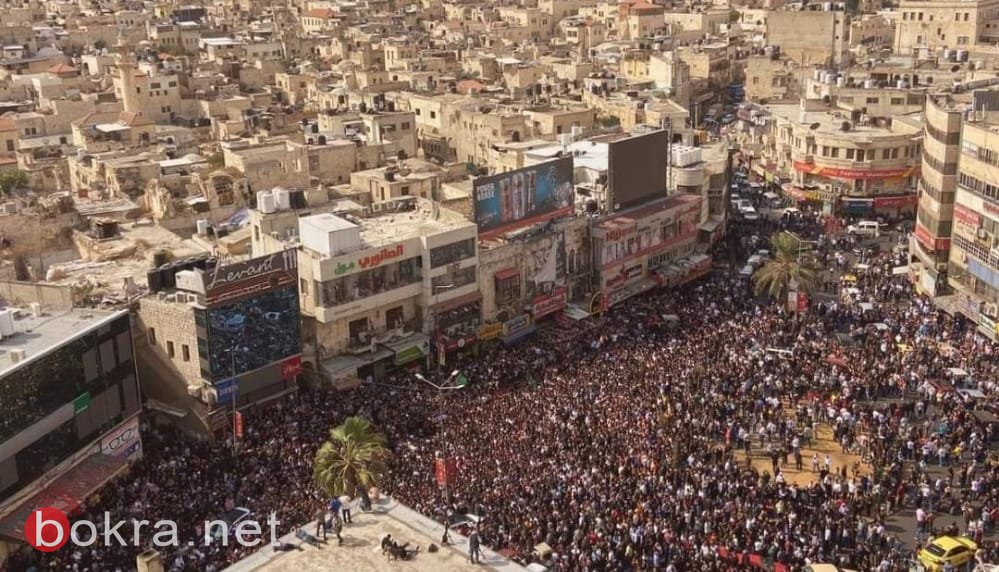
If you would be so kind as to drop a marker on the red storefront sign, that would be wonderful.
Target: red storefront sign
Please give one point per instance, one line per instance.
(544, 305)
(966, 215)
(291, 367)
(449, 344)
(853, 173)
(930, 242)
(895, 202)
(445, 471)
(802, 302)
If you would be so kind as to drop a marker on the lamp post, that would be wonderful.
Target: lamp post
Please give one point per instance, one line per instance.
(441, 456)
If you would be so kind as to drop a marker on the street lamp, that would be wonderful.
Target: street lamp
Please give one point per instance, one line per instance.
(441, 455)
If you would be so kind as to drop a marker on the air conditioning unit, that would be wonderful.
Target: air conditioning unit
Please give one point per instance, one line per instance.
(981, 234)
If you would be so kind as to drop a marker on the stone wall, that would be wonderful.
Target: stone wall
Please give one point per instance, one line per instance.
(50, 296)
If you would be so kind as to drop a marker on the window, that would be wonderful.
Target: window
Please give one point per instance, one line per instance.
(898, 101)
(894, 153)
(873, 99)
(170, 349)
(405, 191)
(405, 126)
(835, 152)
(860, 154)
(152, 336)
(418, 112)
(10, 144)
(508, 290)
(433, 115)
(850, 153)
(304, 286)
(185, 352)
(885, 153)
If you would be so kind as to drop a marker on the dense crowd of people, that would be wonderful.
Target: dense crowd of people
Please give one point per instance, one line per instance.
(622, 442)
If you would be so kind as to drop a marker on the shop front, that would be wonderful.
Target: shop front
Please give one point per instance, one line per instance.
(897, 205)
(447, 344)
(409, 350)
(546, 305)
(518, 329)
(859, 207)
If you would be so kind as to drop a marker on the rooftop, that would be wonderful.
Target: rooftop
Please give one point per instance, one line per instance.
(38, 335)
(830, 122)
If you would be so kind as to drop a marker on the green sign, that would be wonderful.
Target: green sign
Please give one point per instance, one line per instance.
(461, 380)
(408, 354)
(80, 404)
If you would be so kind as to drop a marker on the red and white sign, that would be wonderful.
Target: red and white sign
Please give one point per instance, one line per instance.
(291, 367)
(545, 305)
(967, 216)
(895, 202)
(445, 471)
(237, 424)
(837, 173)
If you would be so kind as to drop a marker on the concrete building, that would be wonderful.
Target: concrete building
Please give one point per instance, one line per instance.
(929, 245)
(70, 409)
(847, 162)
(973, 267)
(958, 24)
(381, 286)
(810, 37)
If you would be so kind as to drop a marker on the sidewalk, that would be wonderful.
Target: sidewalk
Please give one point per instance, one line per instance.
(361, 550)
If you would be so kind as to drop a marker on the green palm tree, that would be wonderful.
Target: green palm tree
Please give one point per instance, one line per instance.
(785, 268)
(353, 459)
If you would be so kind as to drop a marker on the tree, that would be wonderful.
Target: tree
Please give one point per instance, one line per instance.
(11, 180)
(786, 267)
(352, 460)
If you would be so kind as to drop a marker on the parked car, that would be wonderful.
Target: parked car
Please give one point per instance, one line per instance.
(868, 228)
(957, 551)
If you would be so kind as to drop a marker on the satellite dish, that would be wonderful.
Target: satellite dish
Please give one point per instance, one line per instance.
(955, 68)
(814, 126)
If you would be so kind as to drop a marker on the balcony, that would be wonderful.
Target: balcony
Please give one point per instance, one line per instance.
(345, 306)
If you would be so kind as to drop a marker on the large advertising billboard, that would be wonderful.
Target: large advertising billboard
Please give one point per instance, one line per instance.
(248, 334)
(252, 318)
(636, 169)
(515, 199)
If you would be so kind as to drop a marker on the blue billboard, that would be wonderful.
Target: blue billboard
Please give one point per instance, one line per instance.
(515, 199)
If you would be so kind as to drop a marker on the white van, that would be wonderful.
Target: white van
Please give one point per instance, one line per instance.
(864, 228)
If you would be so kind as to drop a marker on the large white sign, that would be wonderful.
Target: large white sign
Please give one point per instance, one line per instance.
(124, 441)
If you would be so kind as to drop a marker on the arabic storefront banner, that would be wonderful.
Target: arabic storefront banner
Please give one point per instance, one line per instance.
(864, 174)
(896, 202)
(408, 354)
(545, 305)
(490, 331)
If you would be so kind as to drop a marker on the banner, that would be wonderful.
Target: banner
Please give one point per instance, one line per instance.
(863, 174)
(516, 199)
(124, 442)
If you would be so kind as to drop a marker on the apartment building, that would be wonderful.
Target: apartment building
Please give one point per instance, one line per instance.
(973, 266)
(956, 24)
(847, 162)
(810, 37)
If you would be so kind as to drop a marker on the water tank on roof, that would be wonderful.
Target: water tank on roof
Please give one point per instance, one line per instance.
(168, 275)
(840, 81)
(948, 55)
(901, 84)
(7, 322)
(154, 280)
(265, 202)
(962, 55)
(282, 199)
(870, 84)
(202, 226)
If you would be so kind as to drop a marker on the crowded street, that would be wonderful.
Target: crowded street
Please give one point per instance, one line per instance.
(629, 441)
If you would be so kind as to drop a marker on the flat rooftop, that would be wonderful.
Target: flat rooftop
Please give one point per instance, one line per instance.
(830, 124)
(426, 220)
(37, 336)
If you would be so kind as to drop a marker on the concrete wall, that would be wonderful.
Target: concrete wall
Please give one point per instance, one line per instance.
(51, 296)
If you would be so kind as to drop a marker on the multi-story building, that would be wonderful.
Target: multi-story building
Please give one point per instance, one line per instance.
(929, 245)
(69, 413)
(946, 24)
(973, 268)
(847, 162)
(381, 286)
(810, 37)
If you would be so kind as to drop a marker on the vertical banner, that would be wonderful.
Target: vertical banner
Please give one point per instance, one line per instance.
(237, 423)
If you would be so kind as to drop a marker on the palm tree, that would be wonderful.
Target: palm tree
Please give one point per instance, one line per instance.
(786, 266)
(353, 459)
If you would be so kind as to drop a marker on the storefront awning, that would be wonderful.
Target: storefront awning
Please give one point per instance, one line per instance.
(519, 334)
(457, 302)
(346, 366)
(576, 313)
(711, 224)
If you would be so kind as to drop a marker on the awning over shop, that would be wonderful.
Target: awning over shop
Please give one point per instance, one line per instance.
(346, 366)
(457, 302)
(519, 334)
(711, 224)
(576, 313)
(410, 348)
(66, 492)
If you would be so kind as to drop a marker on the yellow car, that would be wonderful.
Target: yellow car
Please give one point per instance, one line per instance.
(942, 550)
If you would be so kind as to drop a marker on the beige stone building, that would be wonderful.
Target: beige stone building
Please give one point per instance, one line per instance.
(957, 24)
(770, 78)
(810, 37)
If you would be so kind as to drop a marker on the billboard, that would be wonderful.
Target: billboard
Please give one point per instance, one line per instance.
(244, 279)
(636, 169)
(516, 199)
(250, 333)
